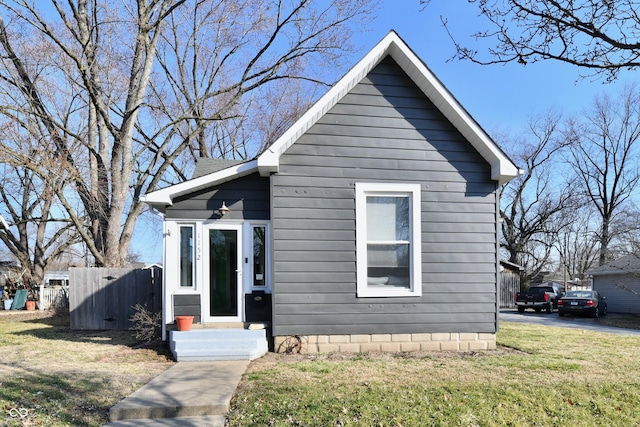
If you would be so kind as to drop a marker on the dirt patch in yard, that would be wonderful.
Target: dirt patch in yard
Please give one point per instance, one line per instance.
(272, 359)
(23, 315)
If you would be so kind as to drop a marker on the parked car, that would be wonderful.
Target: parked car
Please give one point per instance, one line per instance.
(537, 298)
(590, 303)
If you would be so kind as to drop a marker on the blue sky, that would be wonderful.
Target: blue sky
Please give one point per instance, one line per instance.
(500, 97)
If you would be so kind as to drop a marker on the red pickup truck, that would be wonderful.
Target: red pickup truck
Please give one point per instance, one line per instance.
(537, 298)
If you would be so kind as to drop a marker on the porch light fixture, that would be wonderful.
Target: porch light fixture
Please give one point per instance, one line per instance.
(222, 210)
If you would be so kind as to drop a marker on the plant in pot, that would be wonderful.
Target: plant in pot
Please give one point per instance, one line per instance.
(32, 297)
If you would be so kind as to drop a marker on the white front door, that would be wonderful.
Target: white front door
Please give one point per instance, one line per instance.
(222, 293)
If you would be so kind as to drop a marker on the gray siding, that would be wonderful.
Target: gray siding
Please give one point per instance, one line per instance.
(246, 198)
(622, 291)
(384, 130)
(187, 305)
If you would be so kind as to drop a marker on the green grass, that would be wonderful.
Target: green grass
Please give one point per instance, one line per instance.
(539, 376)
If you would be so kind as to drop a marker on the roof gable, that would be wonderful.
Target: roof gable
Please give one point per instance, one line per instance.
(502, 169)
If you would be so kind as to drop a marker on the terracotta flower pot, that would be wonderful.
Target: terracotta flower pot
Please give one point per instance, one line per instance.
(30, 305)
(184, 322)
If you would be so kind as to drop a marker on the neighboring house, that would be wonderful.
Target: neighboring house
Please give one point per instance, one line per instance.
(56, 278)
(619, 281)
(371, 224)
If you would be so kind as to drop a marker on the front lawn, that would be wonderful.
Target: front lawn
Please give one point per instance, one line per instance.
(51, 376)
(54, 377)
(539, 376)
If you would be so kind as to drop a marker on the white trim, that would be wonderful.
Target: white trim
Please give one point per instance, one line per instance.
(171, 243)
(362, 191)
(206, 288)
(165, 196)
(502, 169)
(248, 256)
(194, 259)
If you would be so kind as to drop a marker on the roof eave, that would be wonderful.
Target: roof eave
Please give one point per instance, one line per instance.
(502, 168)
(269, 160)
(165, 196)
(613, 272)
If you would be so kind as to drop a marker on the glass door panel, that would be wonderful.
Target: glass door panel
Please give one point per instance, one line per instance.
(223, 273)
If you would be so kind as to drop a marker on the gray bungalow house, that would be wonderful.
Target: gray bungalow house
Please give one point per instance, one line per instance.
(370, 225)
(619, 281)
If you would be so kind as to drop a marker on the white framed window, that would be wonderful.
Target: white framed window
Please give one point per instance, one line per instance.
(259, 256)
(388, 250)
(187, 265)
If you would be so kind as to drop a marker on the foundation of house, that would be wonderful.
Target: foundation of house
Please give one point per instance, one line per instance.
(385, 342)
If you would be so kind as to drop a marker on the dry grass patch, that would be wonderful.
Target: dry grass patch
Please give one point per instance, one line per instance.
(52, 376)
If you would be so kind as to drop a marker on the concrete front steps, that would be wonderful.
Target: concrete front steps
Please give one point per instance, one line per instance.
(218, 344)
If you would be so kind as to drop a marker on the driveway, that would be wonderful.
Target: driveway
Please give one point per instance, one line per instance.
(563, 322)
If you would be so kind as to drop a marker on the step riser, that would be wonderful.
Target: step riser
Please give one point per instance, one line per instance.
(166, 412)
(218, 344)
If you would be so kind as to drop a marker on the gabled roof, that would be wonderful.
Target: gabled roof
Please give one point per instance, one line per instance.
(627, 264)
(502, 169)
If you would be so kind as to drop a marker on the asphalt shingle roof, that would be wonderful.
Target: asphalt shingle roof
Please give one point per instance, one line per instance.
(627, 264)
(205, 166)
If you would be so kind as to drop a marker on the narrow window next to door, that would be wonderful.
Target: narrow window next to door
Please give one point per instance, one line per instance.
(259, 256)
(186, 256)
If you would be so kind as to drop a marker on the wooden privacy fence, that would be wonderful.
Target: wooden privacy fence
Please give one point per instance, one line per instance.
(509, 285)
(103, 298)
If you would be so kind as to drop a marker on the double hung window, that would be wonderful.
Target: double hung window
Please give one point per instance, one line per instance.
(388, 240)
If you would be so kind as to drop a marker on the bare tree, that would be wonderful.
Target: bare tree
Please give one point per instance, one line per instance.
(148, 86)
(604, 154)
(578, 243)
(625, 232)
(601, 36)
(533, 212)
(37, 236)
(39, 232)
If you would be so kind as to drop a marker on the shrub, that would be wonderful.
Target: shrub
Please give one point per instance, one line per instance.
(147, 325)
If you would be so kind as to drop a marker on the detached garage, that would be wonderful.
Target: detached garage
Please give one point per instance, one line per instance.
(619, 281)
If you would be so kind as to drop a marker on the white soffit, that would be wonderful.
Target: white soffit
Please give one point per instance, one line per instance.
(502, 169)
(165, 196)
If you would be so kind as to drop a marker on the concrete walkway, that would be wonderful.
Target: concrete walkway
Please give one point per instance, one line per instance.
(189, 394)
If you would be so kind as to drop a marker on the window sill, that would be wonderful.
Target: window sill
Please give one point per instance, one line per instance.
(380, 293)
